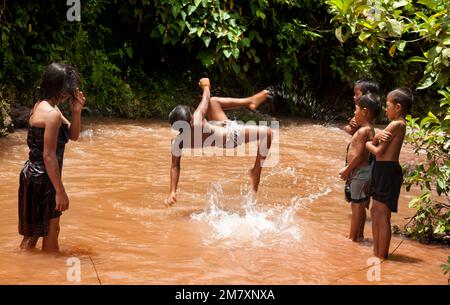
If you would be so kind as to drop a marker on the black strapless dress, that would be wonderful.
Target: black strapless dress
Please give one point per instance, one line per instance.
(36, 191)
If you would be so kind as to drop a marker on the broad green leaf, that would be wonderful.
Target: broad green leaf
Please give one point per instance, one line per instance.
(429, 3)
(206, 40)
(400, 3)
(200, 31)
(400, 45)
(191, 9)
(367, 25)
(227, 53)
(364, 35)
(260, 14)
(161, 29)
(235, 53)
(175, 10)
(426, 82)
(183, 15)
(246, 42)
(338, 33)
(394, 27)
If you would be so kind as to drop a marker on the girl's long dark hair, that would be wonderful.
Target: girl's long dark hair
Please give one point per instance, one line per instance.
(57, 79)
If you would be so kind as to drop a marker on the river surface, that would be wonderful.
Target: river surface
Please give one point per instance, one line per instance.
(119, 231)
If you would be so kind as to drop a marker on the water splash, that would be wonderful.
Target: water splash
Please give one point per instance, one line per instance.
(248, 222)
(306, 102)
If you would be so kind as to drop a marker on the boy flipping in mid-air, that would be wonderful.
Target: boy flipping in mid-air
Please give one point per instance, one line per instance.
(358, 170)
(387, 173)
(217, 130)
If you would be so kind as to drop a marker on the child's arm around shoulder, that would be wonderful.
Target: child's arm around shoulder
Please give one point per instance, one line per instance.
(351, 127)
(394, 128)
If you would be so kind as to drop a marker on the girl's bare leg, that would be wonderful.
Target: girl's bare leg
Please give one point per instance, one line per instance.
(50, 242)
(28, 243)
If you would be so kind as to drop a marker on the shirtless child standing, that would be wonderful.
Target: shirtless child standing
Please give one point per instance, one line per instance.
(358, 170)
(387, 173)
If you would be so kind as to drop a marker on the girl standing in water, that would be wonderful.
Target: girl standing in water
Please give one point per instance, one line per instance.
(42, 197)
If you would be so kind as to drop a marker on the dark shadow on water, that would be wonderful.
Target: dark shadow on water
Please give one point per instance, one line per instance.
(400, 258)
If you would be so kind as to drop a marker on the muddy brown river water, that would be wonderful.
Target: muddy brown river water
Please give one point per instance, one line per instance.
(292, 232)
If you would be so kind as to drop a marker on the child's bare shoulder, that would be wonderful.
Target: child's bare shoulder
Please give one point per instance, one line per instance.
(396, 126)
(364, 131)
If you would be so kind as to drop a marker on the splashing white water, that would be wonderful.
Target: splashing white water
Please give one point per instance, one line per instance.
(250, 222)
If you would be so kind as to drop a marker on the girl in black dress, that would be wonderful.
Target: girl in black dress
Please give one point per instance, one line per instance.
(42, 197)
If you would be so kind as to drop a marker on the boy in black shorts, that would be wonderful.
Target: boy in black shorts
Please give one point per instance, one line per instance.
(387, 174)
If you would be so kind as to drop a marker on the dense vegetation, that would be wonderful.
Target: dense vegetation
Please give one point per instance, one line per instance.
(139, 58)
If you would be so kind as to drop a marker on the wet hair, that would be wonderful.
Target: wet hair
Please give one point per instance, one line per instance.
(58, 79)
(180, 113)
(367, 86)
(371, 102)
(404, 97)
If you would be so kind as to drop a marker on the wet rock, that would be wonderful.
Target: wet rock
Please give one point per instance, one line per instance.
(396, 230)
(20, 115)
(6, 124)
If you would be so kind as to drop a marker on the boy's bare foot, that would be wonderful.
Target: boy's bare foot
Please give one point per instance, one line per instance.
(254, 175)
(258, 99)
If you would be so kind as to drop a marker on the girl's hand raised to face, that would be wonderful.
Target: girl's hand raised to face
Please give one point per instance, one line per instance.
(78, 102)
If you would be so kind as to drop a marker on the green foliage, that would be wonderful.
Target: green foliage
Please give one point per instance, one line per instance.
(208, 25)
(396, 24)
(5, 120)
(430, 139)
(446, 267)
(123, 49)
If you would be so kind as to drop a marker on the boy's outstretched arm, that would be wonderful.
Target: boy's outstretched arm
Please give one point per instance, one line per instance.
(202, 108)
(174, 177)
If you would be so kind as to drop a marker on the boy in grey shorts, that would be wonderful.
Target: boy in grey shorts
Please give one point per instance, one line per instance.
(358, 170)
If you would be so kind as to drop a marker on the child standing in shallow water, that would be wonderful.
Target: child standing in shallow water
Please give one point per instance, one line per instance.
(42, 197)
(387, 173)
(358, 170)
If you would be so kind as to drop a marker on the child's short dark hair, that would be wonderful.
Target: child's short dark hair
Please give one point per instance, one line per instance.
(372, 102)
(180, 113)
(404, 97)
(368, 86)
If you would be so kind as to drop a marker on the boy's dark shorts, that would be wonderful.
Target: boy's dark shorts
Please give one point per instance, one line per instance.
(387, 179)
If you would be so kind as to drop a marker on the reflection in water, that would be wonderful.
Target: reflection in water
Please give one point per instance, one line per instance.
(292, 231)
